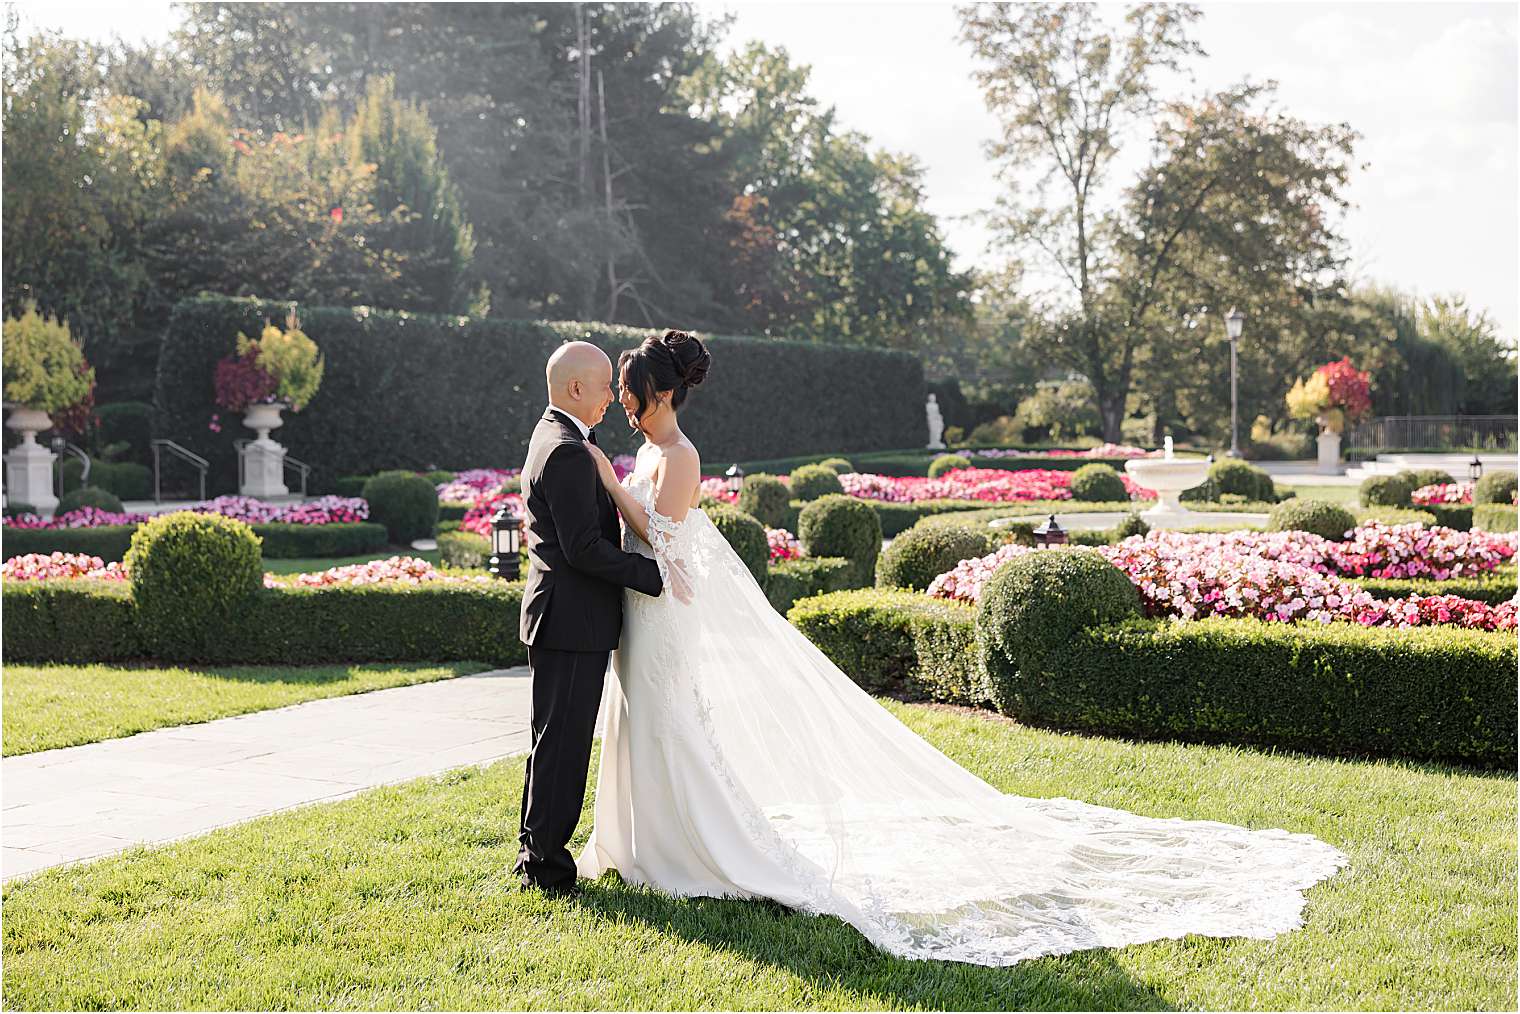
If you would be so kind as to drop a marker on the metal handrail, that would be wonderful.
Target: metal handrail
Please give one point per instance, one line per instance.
(242, 446)
(59, 447)
(200, 463)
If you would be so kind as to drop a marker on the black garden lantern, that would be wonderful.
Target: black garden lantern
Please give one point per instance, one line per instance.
(735, 477)
(506, 540)
(1050, 533)
(1475, 468)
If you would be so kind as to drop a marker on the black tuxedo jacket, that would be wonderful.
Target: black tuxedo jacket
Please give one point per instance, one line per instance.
(577, 569)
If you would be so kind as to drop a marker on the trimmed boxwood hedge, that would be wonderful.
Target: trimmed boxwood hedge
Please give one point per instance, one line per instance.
(406, 390)
(897, 642)
(790, 580)
(1437, 693)
(96, 621)
(766, 498)
(464, 549)
(919, 555)
(282, 540)
(1496, 517)
(839, 525)
(911, 462)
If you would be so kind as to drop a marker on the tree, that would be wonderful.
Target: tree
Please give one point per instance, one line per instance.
(1239, 206)
(421, 215)
(1066, 89)
(1471, 340)
(80, 170)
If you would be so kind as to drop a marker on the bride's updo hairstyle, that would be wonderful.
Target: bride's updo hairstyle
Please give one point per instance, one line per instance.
(675, 361)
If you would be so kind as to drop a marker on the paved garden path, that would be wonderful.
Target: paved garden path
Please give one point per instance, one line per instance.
(83, 802)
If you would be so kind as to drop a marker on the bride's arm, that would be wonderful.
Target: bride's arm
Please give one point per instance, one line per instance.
(676, 482)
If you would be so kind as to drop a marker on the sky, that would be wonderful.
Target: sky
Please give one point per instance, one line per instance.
(1432, 88)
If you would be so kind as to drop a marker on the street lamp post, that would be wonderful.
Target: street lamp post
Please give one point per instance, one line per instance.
(1233, 322)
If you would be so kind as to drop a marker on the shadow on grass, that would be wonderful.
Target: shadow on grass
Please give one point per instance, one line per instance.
(831, 954)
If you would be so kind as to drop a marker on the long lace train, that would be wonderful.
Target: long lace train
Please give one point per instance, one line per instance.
(738, 761)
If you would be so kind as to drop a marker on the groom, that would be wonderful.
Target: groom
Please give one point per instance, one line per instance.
(572, 607)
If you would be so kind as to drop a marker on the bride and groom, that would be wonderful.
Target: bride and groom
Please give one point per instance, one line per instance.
(738, 761)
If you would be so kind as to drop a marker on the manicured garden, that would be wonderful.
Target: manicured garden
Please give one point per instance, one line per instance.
(401, 898)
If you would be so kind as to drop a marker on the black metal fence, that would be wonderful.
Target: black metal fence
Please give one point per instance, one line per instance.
(1431, 433)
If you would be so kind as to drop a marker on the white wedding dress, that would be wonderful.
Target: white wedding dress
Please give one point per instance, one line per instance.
(738, 761)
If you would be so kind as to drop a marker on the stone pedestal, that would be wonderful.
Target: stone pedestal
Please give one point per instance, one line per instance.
(1329, 453)
(263, 458)
(29, 463)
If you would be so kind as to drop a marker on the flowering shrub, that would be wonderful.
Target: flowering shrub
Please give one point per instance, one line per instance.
(240, 382)
(469, 485)
(1412, 550)
(44, 566)
(994, 485)
(478, 518)
(784, 545)
(1334, 394)
(1281, 576)
(405, 570)
(322, 511)
(1443, 493)
(716, 487)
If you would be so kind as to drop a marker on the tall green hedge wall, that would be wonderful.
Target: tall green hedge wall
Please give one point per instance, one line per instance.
(414, 391)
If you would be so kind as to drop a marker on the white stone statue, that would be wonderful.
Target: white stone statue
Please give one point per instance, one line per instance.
(936, 424)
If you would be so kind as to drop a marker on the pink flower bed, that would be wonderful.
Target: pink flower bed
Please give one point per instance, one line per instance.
(322, 511)
(994, 485)
(1101, 451)
(478, 518)
(716, 487)
(404, 570)
(45, 566)
(468, 485)
(1444, 493)
(1402, 551)
(1283, 576)
(784, 545)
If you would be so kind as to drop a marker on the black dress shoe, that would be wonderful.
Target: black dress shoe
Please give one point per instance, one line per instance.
(568, 889)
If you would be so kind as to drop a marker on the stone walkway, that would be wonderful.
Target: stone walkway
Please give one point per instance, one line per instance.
(84, 802)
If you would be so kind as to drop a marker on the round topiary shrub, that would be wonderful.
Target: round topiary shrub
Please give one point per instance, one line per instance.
(1133, 524)
(1236, 477)
(1098, 482)
(746, 535)
(838, 525)
(88, 496)
(1385, 491)
(947, 463)
(813, 481)
(193, 576)
(1417, 477)
(1495, 487)
(839, 465)
(404, 502)
(922, 553)
(1319, 517)
(1034, 605)
(765, 498)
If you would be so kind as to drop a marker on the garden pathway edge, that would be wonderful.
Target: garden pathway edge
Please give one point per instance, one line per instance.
(90, 801)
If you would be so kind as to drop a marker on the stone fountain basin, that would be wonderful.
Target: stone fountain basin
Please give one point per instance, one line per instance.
(1166, 475)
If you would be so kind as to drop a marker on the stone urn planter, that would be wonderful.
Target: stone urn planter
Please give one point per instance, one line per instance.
(31, 464)
(264, 458)
(1329, 452)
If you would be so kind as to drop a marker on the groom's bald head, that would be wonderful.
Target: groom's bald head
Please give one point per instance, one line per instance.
(579, 376)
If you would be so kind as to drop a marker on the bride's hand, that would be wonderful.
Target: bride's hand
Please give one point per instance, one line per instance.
(603, 466)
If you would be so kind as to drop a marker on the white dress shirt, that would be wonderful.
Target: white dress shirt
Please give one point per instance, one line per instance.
(585, 430)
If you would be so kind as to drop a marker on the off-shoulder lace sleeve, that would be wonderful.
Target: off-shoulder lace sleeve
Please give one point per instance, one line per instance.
(674, 543)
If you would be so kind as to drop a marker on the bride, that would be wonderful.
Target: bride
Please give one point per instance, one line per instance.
(738, 761)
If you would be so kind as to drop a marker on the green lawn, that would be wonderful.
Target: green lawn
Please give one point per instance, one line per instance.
(398, 898)
(1345, 495)
(49, 706)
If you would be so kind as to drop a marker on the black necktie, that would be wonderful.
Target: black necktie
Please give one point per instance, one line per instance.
(591, 436)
